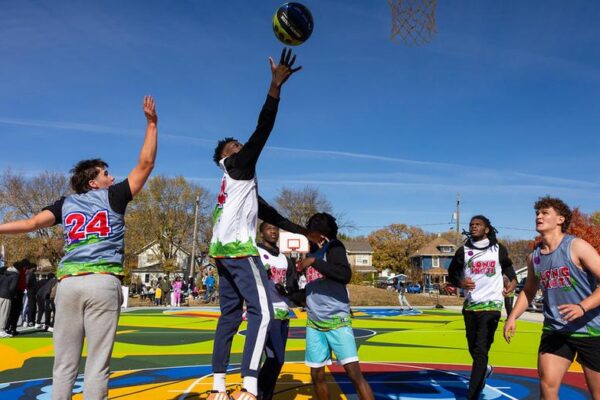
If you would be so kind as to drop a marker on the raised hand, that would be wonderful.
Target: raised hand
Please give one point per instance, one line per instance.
(150, 110)
(282, 71)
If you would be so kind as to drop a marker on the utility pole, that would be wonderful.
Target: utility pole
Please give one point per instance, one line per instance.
(194, 237)
(458, 215)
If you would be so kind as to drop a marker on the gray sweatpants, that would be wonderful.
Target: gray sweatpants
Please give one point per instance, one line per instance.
(86, 306)
(4, 311)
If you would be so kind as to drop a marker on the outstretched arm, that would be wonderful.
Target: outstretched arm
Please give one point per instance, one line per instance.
(246, 159)
(272, 216)
(138, 176)
(44, 219)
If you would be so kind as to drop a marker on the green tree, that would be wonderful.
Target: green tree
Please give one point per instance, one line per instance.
(393, 245)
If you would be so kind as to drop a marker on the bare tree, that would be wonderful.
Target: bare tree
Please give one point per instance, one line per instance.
(299, 205)
(164, 212)
(21, 198)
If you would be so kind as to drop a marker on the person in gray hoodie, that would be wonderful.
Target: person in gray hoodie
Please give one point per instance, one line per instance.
(8, 284)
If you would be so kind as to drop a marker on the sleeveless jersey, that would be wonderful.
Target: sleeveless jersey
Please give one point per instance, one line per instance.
(94, 235)
(277, 267)
(562, 282)
(483, 267)
(327, 301)
(234, 218)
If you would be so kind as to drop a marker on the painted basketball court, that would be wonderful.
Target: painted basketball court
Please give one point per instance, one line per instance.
(165, 354)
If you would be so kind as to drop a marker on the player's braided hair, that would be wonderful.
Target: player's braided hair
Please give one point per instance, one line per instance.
(219, 149)
(491, 235)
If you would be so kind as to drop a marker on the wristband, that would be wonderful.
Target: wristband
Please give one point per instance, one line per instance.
(582, 309)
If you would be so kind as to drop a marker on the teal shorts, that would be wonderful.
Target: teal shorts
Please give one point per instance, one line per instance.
(320, 345)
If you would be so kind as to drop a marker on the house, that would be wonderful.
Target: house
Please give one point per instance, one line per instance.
(150, 263)
(433, 260)
(360, 256)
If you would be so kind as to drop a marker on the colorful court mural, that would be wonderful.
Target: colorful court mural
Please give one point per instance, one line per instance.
(165, 354)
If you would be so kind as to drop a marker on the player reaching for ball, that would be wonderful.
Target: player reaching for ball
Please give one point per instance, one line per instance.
(329, 327)
(242, 276)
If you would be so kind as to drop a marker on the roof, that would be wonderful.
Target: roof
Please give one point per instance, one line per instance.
(435, 271)
(152, 243)
(357, 246)
(432, 248)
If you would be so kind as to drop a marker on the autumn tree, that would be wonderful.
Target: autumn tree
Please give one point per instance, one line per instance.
(164, 212)
(595, 218)
(583, 227)
(518, 250)
(22, 198)
(393, 245)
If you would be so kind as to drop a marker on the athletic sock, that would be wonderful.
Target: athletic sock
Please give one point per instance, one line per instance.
(219, 382)
(251, 384)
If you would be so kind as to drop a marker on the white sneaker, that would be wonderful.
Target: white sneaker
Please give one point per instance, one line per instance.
(489, 370)
(4, 334)
(50, 329)
(39, 326)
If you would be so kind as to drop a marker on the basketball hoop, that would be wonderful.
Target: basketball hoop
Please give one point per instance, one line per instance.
(293, 245)
(413, 20)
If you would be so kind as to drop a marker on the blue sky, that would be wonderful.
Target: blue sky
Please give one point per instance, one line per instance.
(501, 107)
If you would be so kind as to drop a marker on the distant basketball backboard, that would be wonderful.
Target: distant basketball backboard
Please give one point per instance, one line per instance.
(292, 243)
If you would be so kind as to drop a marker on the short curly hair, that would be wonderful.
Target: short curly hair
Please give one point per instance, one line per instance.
(557, 205)
(85, 171)
(323, 223)
(219, 149)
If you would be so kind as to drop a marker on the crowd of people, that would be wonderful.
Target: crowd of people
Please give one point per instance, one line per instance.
(177, 291)
(26, 300)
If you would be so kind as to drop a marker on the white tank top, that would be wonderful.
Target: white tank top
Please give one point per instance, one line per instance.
(234, 218)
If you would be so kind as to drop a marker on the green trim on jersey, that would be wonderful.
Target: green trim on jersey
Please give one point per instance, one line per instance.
(233, 250)
(591, 332)
(90, 240)
(83, 268)
(484, 306)
(334, 323)
(282, 314)
(217, 213)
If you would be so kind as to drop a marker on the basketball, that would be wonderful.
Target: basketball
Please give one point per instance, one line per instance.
(292, 24)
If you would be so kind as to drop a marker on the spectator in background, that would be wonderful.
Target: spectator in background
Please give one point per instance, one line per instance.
(16, 304)
(43, 303)
(209, 283)
(401, 289)
(30, 307)
(8, 284)
(166, 289)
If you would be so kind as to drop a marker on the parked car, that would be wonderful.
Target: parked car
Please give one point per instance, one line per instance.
(520, 286)
(448, 289)
(413, 288)
(537, 305)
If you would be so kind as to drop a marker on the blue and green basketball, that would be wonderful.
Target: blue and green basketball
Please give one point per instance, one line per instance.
(292, 24)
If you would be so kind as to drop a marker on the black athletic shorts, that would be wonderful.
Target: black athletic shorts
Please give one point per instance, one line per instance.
(587, 349)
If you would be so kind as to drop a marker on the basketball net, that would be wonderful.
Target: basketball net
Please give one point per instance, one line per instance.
(413, 21)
